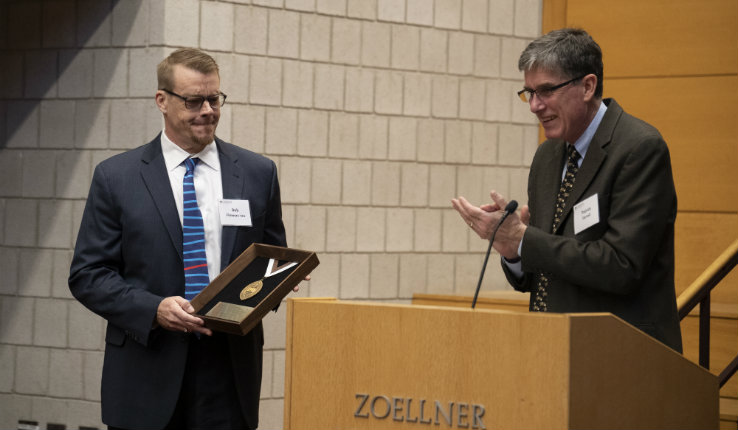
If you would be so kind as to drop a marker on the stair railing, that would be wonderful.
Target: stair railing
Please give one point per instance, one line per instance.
(698, 293)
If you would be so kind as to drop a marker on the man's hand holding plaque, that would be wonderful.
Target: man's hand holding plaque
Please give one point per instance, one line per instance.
(251, 286)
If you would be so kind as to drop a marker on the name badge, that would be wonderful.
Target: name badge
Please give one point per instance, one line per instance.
(586, 214)
(235, 212)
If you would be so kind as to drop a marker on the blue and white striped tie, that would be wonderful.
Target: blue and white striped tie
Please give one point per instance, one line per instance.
(195, 260)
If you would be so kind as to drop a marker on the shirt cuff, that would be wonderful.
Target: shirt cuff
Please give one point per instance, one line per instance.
(515, 265)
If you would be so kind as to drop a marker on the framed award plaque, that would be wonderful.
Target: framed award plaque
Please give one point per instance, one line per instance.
(251, 286)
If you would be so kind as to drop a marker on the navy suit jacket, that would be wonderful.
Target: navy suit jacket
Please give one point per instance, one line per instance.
(624, 264)
(128, 257)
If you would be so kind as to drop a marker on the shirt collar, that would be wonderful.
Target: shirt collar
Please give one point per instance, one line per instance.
(582, 144)
(174, 156)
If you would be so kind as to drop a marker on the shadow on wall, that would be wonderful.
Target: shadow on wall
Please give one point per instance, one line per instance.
(57, 63)
(60, 63)
(40, 41)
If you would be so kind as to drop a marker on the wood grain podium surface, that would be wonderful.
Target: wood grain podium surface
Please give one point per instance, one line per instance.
(523, 370)
(723, 326)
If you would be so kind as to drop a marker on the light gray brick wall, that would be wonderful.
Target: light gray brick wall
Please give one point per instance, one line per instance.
(377, 113)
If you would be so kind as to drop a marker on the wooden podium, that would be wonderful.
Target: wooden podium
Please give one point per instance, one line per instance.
(356, 365)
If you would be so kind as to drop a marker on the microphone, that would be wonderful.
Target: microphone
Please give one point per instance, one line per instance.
(510, 208)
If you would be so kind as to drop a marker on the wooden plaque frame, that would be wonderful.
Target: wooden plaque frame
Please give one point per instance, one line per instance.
(306, 262)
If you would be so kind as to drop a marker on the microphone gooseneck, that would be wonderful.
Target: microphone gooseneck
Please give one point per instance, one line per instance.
(510, 208)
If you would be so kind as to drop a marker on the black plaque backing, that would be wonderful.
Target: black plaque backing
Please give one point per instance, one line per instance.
(220, 304)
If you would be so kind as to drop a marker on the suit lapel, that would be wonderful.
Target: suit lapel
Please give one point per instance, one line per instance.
(551, 183)
(596, 155)
(232, 189)
(154, 173)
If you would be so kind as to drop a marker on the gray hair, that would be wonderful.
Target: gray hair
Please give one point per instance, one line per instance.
(570, 52)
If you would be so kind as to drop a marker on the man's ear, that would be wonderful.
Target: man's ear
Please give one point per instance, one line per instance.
(589, 83)
(161, 101)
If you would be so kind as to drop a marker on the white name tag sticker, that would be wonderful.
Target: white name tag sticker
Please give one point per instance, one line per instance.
(235, 212)
(586, 214)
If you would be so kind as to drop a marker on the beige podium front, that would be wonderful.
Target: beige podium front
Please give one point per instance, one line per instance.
(357, 365)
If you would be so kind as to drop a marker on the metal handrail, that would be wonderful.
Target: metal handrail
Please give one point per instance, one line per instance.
(698, 293)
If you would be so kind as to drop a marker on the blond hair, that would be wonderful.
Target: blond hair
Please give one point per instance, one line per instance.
(191, 58)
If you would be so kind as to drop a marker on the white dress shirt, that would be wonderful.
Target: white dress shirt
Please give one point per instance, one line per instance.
(209, 190)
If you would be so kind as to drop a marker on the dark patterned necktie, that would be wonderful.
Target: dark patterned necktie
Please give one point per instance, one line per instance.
(540, 302)
(193, 236)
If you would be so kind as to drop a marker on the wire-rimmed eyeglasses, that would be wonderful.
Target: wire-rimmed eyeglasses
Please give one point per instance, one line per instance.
(545, 91)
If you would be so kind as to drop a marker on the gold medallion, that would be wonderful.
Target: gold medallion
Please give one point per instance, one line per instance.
(251, 289)
(272, 269)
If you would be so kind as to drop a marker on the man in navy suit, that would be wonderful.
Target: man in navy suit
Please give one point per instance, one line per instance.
(597, 234)
(162, 367)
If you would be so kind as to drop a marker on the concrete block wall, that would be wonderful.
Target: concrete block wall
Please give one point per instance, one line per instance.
(377, 113)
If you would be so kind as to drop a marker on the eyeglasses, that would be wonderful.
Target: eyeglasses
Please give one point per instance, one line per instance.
(195, 103)
(544, 91)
